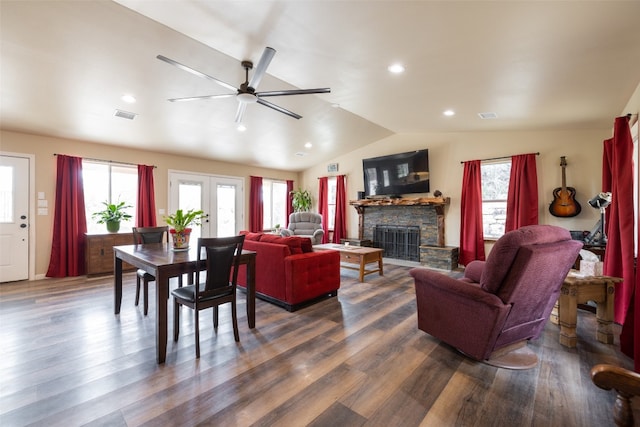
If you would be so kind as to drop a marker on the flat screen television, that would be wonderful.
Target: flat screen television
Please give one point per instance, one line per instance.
(396, 174)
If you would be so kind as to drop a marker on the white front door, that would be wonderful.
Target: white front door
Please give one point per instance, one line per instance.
(14, 218)
(221, 199)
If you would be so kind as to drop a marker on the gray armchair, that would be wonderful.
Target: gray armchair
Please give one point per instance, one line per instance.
(305, 224)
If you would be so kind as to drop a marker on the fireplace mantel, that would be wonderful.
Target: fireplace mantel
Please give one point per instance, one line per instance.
(421, 201)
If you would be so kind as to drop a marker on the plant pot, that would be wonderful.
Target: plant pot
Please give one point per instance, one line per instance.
(180, 239)
(113, 226)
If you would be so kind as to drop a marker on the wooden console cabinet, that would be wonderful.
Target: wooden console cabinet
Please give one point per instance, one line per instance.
(99, 252)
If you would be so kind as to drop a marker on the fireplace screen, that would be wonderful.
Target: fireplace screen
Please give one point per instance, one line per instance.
(400, 242)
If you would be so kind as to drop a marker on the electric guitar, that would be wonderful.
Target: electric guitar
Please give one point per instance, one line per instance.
(564, 203)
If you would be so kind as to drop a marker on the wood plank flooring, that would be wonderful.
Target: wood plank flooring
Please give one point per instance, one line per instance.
(354, 360)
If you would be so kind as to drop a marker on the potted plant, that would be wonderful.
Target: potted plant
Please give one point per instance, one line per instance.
(301, 200)
(180, 223)
(112, 215)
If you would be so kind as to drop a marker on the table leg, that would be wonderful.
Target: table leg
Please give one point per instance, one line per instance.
(604, 315)
(117, 283)
(162, 294)
(380, 264)
(362, 264)
(251, 293)
(568, 315)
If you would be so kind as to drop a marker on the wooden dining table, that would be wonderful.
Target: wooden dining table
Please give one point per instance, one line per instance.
(161, 261)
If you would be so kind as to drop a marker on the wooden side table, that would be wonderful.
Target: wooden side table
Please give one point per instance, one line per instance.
(578, 290)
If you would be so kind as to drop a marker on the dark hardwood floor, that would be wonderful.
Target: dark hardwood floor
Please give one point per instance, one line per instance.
(354, 360)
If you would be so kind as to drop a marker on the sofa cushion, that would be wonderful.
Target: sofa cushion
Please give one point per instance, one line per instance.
(253, 236)
(294, 243)
(306, 244)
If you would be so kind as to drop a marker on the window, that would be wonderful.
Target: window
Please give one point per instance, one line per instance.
(274, 203)
(6, 194)
(111, 183)
(495, 189)
(332, 185)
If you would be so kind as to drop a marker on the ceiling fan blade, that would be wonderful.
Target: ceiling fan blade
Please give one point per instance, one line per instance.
(193, 98)
(241, 108)
(261, 68)
(196, 72)
(278, 108)
(293, 92)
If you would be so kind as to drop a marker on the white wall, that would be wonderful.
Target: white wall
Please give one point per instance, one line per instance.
(582, 148)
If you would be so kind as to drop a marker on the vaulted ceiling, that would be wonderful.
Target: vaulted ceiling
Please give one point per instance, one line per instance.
(536, 64)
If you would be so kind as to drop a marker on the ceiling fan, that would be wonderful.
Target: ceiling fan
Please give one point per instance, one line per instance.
(246, 93)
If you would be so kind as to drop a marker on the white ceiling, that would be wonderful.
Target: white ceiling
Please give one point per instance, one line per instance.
(536, 64)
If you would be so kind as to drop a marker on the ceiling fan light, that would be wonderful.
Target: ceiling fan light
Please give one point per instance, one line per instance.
(247, 98)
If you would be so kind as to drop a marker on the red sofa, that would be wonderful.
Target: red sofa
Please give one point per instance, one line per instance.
(288, 272)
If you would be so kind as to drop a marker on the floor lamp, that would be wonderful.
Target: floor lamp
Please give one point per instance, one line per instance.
(598, 237)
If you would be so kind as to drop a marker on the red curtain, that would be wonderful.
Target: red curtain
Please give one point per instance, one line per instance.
(471, 235)
(256, 217)
(632, 324)
(522, 199)
(323, 205)
(146, 204)
(340, 227)
(69, 221)
(617, 177)
(290, 199)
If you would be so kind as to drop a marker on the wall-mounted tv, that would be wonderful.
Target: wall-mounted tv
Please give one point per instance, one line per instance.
(396, 174)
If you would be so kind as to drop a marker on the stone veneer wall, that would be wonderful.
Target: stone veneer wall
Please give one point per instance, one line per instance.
(426, 217)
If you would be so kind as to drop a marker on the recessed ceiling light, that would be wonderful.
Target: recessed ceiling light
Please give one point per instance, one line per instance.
(308, 145)
(130, 99)
(449, 113)
(241, 127)
(396, 68)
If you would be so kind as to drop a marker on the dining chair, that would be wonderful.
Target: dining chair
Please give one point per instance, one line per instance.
(219, 287)
(144, 235)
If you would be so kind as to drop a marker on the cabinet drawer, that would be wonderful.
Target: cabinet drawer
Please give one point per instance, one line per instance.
(352, 258)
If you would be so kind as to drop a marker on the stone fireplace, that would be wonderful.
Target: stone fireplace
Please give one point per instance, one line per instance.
(408, 229)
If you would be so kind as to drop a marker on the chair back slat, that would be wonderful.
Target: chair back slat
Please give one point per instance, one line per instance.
(144, 235)
(222, 262)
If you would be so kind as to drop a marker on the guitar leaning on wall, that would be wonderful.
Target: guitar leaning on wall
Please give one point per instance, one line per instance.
(564, 203)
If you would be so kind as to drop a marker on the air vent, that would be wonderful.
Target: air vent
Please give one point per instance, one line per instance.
(125, 114)
(488, 115)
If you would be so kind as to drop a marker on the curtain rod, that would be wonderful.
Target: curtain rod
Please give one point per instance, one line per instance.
(497, 158)
(107, 161)
(630, 118)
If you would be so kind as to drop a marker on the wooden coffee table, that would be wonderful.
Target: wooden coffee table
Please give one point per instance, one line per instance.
(356, 255)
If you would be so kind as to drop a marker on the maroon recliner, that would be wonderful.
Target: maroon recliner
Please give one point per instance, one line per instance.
(502, 302)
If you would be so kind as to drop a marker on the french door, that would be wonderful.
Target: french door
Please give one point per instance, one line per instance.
(220, 197)
(14, 218)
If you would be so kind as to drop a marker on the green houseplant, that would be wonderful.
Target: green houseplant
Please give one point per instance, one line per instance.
(301, 200)
(112, 215)
(180, 223)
